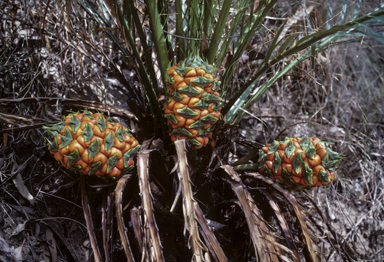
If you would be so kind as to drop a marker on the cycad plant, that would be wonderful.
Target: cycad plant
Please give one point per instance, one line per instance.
(190, 51)
(196, 202)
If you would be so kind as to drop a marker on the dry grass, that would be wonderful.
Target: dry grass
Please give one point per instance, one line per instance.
(342, 106)
(340, 101)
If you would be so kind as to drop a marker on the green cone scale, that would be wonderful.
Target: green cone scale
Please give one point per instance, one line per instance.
(193, 101)
(299, 163)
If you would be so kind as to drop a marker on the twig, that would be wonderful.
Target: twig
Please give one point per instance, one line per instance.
(76, 205)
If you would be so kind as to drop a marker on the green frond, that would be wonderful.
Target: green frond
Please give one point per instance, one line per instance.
(218, 31)
(312, 44)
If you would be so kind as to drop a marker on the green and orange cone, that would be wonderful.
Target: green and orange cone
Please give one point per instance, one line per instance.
(193, 101)
(299, 163)
(92, 144)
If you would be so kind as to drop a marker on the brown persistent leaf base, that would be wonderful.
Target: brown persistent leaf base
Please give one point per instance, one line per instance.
(149, 216)
(88, 220)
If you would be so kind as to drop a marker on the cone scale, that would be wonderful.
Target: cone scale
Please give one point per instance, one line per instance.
(192, 107)
(92, 145)
(299, 163)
